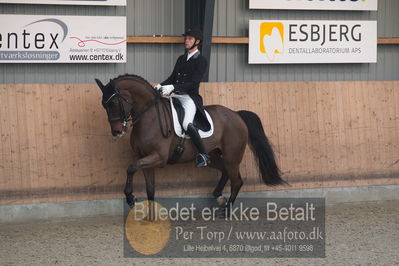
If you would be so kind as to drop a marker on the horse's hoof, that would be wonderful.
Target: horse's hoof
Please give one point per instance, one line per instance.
(221, 201)
(131, 201)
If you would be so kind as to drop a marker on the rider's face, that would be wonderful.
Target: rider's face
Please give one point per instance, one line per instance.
(189, 42)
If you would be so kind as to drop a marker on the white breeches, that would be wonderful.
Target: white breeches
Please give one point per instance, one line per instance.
(189, 108)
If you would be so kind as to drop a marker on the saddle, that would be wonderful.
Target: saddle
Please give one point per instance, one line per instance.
(178, 116)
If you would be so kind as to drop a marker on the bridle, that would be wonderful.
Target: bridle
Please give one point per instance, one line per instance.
(124, 117)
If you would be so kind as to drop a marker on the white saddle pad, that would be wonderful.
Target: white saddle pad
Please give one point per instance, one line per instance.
(178, 127)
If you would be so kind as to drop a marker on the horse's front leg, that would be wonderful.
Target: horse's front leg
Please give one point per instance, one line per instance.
(130, 199)
(149, 175)
(145, 163)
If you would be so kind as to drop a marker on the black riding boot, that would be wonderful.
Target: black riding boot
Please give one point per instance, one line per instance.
(202, 157)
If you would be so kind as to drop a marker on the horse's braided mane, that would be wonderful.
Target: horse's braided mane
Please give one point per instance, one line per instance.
(125, 76)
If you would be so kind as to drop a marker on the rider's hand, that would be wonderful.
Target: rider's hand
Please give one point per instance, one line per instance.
(158, 86)
(167, 90)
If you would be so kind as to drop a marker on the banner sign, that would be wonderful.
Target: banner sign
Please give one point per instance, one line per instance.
(62, 39)
(315, 5)
(312, 41)
(69, 2)
(253, 228)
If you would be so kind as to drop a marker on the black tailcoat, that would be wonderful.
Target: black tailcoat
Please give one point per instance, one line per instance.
(186, 77)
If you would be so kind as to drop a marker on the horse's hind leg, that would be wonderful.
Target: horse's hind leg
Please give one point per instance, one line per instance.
(218, 191)
(236, 183)
(229, 170)
(232, 159)
(217, 163)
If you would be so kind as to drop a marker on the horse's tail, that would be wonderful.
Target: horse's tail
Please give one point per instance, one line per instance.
(262, 149)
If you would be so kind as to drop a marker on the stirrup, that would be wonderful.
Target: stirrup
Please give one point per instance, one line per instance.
(202, 160)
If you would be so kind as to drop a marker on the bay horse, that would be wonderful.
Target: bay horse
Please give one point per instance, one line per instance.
(132, 98)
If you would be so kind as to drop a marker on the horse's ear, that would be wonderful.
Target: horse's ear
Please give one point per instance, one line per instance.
(112, 83)
(100, 84)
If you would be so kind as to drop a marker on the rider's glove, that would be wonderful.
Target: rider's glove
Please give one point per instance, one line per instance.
(158, 86)
(167, 89)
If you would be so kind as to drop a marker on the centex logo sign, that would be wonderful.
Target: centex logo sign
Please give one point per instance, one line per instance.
(271, 39)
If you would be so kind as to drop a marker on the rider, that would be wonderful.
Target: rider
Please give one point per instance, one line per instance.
(184, 83)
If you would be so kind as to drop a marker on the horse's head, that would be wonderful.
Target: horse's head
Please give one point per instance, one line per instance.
(118, 105)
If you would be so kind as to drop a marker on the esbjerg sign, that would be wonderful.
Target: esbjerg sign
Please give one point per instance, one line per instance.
(312, 41)
(315, 4)
(69, 2)
(62, 39)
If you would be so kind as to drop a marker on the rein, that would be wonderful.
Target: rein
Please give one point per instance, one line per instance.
(169, 132)
(155, 103)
